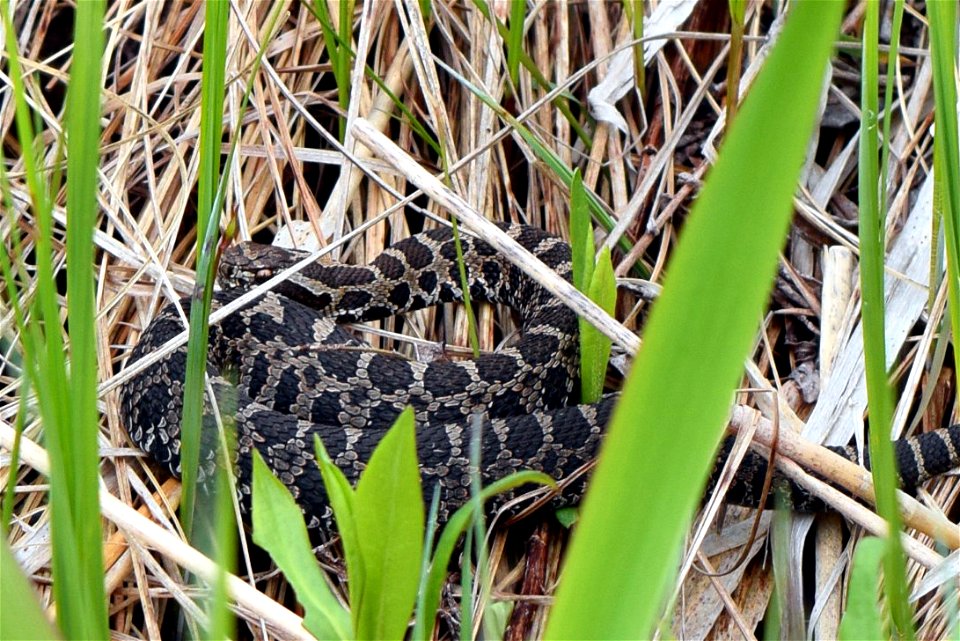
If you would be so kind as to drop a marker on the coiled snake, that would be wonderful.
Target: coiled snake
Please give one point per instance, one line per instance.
(300, 374)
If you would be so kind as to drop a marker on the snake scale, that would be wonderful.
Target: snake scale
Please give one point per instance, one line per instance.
(298, 373)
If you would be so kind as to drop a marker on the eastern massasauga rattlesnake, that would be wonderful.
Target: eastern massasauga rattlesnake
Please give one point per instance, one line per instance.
(300, 374)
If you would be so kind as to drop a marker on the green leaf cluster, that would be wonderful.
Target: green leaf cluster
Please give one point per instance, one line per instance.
(382, 527)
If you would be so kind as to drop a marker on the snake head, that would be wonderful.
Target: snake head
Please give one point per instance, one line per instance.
(249, 264)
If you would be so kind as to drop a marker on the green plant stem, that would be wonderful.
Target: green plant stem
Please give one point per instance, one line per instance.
(880, 397)
(208, 222)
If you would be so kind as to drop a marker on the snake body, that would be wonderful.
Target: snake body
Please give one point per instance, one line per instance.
(299, 374)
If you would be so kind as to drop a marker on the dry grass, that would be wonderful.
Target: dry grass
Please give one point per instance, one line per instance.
(289, 170)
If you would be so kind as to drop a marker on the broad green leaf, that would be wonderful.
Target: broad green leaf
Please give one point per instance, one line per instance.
(862, 617)
(279, 529)
(648, 481)
(341, 497)
(22, 617)
(594, 345)
(388, 508)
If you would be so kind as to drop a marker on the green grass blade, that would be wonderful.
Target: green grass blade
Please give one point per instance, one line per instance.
(13, 295)
(70, 420)
(518, 11)
(581, 234)
(544, 153)
(221, 622)
(738, 10)
(863, 615)
(560, 102)
(725, 260)
(89, 611)
(634, 9)
(419, 615)
(946, 150)
(466, 587)
(465, 288)
(211, 129)
(22, 616)
(410, 118)
(775, 623)
(461, 520)
(594, 345)
(341, 60)
(880, 397)
(338, 50)
(279, 529)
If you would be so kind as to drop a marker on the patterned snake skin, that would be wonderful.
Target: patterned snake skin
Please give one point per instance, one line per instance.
(300, 374)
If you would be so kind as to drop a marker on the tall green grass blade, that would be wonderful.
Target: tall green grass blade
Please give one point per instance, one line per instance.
(221, 622)
(70, 426)
(518, 11)
(83, 614)
(279, 529)
(389, 514)
(879, 395)
(70, 420)
(725, 260)
(13, 295)
(26, 127)
(9, 492)
(338, 50)
(776, 624)
(946, 148)
(211, 128)
(29, 338)
(342, 58)
(863, 615)
(22, 617)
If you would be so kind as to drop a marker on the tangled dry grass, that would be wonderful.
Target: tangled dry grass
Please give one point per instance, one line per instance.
(288, 170)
